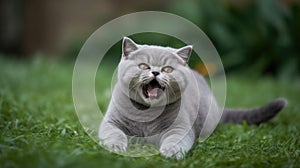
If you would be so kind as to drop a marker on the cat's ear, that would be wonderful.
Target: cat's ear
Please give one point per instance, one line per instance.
(185, 52)
(128, 46)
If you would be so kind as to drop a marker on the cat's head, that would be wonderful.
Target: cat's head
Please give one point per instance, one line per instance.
(153, 75)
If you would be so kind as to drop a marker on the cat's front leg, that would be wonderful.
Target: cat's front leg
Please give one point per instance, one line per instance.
(111, 137)
(175, 143)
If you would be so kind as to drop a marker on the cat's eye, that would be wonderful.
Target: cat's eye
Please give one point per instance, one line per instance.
(168, 69)
(144, 66)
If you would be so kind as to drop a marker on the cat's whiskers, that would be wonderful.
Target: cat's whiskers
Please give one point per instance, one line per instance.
(135, 85)
(169, 88)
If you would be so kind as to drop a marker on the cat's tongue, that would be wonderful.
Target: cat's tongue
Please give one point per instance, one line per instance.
(152, 92)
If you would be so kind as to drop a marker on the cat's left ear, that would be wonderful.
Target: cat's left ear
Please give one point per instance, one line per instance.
(185, 52)
(128, 46)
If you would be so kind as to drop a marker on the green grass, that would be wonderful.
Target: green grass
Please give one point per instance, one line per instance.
(39, 126)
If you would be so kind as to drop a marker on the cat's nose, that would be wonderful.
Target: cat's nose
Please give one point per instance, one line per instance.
(155, 73)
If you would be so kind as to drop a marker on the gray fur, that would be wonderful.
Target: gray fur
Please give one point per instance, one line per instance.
(173, 116)
(254, 116)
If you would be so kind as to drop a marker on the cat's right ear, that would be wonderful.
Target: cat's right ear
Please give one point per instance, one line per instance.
(128, 46)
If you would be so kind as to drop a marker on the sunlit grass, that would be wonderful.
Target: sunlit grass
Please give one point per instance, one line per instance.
(39, 126)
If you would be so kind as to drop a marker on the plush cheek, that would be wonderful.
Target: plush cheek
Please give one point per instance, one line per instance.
(182, 84)
(179, 80)
(126, 73)
(124, 78)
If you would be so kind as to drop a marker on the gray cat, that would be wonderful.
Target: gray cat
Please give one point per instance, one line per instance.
(159, 98)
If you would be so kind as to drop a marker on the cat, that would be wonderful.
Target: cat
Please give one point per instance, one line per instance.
(158, 97)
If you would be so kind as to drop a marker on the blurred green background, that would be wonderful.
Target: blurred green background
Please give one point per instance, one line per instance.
(253, 37)
(258, 41)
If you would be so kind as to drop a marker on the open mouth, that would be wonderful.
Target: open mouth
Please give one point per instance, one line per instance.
(153, 89)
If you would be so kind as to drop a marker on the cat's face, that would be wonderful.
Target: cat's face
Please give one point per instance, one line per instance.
(153, 75)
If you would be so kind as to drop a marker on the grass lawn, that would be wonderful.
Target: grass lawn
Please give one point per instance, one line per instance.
(39, 126)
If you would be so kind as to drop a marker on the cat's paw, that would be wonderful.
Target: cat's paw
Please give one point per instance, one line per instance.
(116, 147)
(172, 151)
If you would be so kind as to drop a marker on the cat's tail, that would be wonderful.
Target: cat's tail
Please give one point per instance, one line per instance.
(253, 116)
